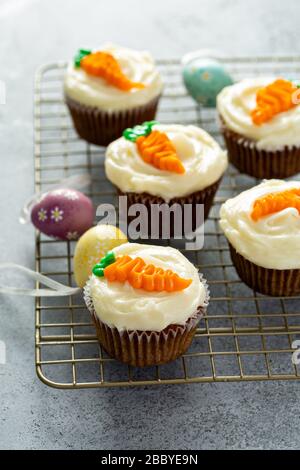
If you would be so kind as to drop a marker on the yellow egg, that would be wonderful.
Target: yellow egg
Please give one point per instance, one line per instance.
(92, 246)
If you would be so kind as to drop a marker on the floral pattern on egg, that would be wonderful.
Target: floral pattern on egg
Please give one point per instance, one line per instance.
(204, 77)
(92, 246)
(63, 213)
(42, 215)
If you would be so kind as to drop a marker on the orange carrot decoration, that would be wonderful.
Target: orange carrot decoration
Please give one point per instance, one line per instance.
(155, 147)
(273, 99)
(104, 65)
(275, 202)
(144, 276)
(158, 150)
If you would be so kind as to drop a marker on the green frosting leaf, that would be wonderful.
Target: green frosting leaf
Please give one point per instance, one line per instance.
(132, 133)
(98, 271)
(81, 53)
(108, 259)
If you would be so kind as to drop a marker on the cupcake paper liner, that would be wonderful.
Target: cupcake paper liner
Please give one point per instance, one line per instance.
(274, 282)
(247, 158)
(205, 196)
(102, 127)
(146, 348)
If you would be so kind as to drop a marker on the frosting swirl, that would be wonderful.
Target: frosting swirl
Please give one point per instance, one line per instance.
(271, 242)
(138, 66)
(120, 305)
(203, 159)
(235, 104)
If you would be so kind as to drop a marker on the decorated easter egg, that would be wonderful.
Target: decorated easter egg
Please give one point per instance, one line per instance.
(93, 246)
(63, 213)
(204, 78)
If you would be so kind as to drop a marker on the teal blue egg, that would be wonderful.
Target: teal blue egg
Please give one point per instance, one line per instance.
(204, 78)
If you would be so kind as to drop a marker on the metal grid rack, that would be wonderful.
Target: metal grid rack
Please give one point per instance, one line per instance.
(245, 336)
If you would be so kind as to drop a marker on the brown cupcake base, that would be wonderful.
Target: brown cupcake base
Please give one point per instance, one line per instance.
(247, 158)
(205, 196)
(274, 282)
(147, 348)
(101, 127)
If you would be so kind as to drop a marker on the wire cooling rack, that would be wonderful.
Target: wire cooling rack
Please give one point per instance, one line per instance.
(245, 336)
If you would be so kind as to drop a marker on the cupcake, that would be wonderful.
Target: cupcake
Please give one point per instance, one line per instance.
(166, 164)
(260, 120)
(262, 226)
(146, 302)
(110, 89)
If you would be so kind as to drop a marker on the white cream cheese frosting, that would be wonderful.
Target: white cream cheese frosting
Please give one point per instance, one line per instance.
(202, 157)
(138, 66)
(121, 306)
(235, 104)
(273, 241)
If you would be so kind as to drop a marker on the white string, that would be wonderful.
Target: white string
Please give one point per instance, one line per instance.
(56, 288)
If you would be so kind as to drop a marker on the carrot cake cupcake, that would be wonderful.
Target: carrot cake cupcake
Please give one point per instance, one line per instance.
(260, 120)
(146, 302)
(262, 226)
(109, 89)
(162, 163)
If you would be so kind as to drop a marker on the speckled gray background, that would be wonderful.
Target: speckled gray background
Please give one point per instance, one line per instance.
(209, 416)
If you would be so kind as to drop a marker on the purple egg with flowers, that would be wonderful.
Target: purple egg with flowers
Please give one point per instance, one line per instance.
(63, 213)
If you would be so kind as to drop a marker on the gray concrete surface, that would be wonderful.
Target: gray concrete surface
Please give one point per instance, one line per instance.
(211, 416)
